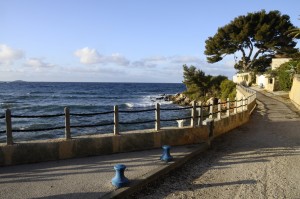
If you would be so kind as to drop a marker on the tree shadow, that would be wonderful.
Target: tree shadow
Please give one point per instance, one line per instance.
(73, 196)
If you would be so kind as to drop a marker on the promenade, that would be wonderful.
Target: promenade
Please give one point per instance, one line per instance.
(258, 160)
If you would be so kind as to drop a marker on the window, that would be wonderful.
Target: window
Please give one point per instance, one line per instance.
(270, 80)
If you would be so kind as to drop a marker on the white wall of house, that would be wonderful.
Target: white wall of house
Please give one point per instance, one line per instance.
(276, 62)
(242, 78)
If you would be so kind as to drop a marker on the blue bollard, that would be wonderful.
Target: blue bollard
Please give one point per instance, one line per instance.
(119, 180)
(166, 154)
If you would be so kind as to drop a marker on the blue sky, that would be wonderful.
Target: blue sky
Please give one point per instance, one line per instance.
(117, 40)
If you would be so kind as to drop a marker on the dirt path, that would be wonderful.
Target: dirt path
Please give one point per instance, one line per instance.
(258, 160)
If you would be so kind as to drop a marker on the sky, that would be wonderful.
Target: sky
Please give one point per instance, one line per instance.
(117, 40)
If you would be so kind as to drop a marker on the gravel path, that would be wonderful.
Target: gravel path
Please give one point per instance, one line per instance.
(258, 160)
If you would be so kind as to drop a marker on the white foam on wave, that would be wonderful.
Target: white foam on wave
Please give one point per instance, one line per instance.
(129, 105)
(147, 101)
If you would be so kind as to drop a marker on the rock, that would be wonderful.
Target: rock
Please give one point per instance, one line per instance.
(179, 99)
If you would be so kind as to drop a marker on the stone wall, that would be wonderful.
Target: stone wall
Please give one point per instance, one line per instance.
(295, 91)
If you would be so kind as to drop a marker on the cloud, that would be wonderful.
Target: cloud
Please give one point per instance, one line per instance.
(8, 55)
(143, 64)
(38, 63)
(152, 62)
(90, 56)
(118, 59)
(186, 60)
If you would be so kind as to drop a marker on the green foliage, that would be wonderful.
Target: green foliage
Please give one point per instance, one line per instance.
(199, 85)
(228, 89)
(257, 36)
(193, 92)
(285, 75)
(195, 80)
(295, 33)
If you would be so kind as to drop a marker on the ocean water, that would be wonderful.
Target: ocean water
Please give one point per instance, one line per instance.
(42, 98)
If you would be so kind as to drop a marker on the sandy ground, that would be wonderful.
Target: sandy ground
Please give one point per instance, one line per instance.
(258, 160)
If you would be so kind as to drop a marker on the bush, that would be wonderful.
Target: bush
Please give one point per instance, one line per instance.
(228, 89)
(284, 77)
(192, 92)
(285, 74)
(200, 86)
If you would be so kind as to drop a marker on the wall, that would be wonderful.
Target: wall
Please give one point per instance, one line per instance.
(242, 78)
(266, 82)
(295, 91)
(276, 62)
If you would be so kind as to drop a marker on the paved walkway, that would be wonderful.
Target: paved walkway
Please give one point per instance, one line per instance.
(87, 177)
(258, 160)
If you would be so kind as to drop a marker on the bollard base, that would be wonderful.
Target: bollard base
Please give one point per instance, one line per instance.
(166, 154)
(119, 180)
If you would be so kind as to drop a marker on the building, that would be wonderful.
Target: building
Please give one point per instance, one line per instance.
(242, 78)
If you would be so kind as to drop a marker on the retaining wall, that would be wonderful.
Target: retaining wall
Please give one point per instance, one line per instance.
(39, 151)
(295, 91)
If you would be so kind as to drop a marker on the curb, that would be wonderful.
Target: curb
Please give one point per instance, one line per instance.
(136, 185)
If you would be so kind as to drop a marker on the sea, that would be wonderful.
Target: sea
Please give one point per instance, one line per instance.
(50, 98)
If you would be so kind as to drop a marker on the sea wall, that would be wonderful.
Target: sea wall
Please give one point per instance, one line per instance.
(57, 149)
(295, 91)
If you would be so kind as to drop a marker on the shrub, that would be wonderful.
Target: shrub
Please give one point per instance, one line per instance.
(285, 76)
(228, 89)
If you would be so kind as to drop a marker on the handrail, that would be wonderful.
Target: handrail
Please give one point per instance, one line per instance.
(92, 125)
(176, 109)
(209, 110)
(91, 114)
(142, 122)
(137, 111)
(34, 130)
(36, 116)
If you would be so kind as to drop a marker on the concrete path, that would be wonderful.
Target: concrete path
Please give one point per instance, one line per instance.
(88, 177)
(258, 160)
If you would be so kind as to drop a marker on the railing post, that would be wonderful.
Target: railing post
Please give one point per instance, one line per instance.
(246, 103)
(235, 105)
(157, 117)
(243, 104)
(211, 109)
(9, 137)
(194, 114)
(201, 114)
(219, 109)
(116, 120)
(67, 124)
(228, 107)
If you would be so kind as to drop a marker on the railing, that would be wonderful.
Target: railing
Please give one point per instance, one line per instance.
(199, 112)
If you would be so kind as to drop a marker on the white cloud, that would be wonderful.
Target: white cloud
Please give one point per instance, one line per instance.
(118, 59)
(91, 56)
(8, 55)
(38, 63)
(88, 56)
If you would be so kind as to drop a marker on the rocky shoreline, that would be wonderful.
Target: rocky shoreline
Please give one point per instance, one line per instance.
(180, 99)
